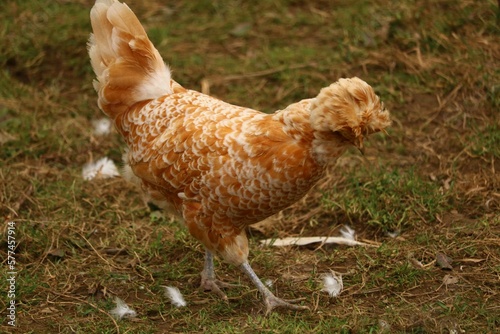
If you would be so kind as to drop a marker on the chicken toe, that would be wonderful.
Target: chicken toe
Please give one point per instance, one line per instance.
(273, 302)
(270, 300)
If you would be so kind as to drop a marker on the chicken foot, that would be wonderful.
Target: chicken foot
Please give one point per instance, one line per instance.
(270, 300)
(208, 280)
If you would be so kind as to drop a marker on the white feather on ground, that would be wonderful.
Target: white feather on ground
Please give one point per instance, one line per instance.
(101, 169)
(122, 310)
(175, 296)
(332, 284)
(347, 232)
(393, 234)
(102, 126)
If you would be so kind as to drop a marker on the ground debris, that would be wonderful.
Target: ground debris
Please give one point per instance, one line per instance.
(450, 279)
(57, 253)
(443, 261)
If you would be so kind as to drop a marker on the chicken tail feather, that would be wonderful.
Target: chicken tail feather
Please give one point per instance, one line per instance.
(128, 67)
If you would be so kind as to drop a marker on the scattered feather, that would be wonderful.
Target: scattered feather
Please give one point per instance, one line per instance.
(101, 169)
(268, 283)
(122, 310)
(175, 296)
(347, 232)
(102, 126)
(301, 241)
(393, 234)
(332, 284)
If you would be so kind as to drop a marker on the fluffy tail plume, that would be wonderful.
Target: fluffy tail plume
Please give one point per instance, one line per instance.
(128, 67)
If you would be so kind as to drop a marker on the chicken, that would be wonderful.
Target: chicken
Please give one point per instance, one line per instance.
(220, 167)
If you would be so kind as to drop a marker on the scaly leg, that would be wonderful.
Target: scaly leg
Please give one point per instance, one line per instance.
(208, 280)
(270, 299)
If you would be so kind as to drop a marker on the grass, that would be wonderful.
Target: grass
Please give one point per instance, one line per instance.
(430, 186)
(386, 199)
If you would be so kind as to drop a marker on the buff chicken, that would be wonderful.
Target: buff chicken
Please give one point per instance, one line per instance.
(218, 166)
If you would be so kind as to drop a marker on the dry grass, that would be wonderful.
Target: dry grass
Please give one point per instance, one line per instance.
(434, 181)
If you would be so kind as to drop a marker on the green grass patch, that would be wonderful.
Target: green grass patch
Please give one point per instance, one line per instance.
(485, 141)
(389, 200)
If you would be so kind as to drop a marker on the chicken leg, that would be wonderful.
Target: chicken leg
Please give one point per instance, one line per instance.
(208, 280)
(270, 299)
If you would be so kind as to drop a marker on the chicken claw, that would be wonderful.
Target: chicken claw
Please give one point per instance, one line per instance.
(270, 300)
(273, 302)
